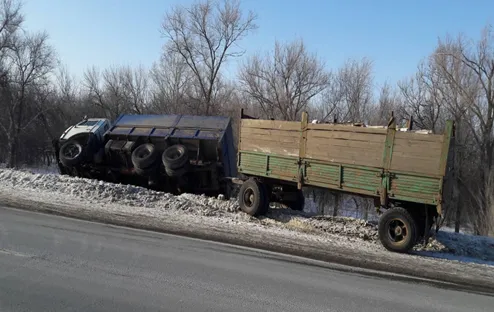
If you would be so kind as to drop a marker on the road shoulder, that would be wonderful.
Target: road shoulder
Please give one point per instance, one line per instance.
(470, 277)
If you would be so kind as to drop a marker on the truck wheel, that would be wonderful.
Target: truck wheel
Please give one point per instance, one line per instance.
(144, 156)
(252, 198)
(174, 157)
(397, 230)
(71, 153)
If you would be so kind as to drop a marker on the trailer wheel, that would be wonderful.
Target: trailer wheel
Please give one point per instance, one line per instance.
(144, 156)
(397, 230)
(71, 153)
(252, 198)
(175, 156)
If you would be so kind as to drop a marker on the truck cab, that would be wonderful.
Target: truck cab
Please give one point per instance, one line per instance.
(81, 142)
(96, 126)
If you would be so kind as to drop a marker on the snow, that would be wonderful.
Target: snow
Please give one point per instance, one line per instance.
(461, 247)
(52, 169)
(95, 196)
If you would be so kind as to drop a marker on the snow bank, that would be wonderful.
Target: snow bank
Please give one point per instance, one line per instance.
(44, 169)
(94, 191)
(461, 247)
(138, 200)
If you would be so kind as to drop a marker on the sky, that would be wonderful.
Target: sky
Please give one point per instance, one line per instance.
(395, 35)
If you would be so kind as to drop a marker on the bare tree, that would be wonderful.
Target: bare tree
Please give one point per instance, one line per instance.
(387, 102)
(356, 83)
(479, 99)
(118, 90)
(28, 62)
(171, 78)
(205, 36)
(423, 98)
(11, 20)
(283, 84)
(455, 101)
(136, 88)
(95, 94)
(349, 93)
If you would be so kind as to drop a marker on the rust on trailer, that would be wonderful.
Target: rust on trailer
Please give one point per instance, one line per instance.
(382, 162)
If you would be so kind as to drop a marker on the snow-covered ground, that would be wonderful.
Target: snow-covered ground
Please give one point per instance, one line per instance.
(36, 169)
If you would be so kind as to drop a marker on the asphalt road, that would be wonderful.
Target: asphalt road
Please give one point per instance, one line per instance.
(49, 263)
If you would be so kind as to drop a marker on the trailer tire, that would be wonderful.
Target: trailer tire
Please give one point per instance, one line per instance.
(144, 156)
(252, 198)
(71, 153)
(175, 157)
(405, 228)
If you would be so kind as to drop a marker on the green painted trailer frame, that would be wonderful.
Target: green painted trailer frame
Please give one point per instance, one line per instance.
(382, 183)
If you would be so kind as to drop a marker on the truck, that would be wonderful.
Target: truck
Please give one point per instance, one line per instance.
(407, 173)
(170, 153)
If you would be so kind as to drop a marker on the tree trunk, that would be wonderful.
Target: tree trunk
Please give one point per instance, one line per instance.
(12, 155)
(489, 204)
(456, 205)
(457, 220)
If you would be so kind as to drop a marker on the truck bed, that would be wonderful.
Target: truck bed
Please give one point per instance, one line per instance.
(378, 162)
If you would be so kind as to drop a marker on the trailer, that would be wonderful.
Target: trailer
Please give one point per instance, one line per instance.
(406, 173)
(171, 153)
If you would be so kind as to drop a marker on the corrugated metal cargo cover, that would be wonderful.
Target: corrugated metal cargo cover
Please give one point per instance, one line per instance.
(174, 126)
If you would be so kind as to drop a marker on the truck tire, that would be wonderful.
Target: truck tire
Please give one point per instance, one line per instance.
(175, 157)
(397, 230)
(144, 156)
(252, 198)
(71, 153)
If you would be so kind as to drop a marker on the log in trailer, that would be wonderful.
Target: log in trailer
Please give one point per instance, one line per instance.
(406, 173)
(171, 153)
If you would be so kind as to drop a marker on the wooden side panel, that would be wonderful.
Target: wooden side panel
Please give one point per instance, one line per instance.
(417, 153)
(414, 188)
(265, 165)
(358, 180)
(344, 128)
(270, 137)
(347, 147)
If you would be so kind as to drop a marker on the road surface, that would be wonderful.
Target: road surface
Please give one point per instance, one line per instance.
(50, 263)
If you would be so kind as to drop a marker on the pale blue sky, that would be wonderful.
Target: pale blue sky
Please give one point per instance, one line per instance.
(396, 35)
